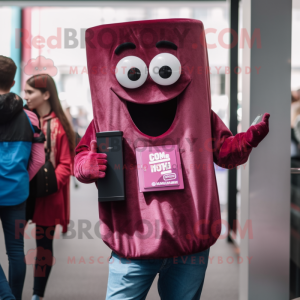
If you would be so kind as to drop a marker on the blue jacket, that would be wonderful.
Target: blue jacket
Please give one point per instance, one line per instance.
(16, 137)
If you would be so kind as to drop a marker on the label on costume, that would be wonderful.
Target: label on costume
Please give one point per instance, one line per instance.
(159, 168)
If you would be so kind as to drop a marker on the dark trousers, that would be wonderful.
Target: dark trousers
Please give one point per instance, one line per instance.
(13, 223)
(44, 258)
(5, 290)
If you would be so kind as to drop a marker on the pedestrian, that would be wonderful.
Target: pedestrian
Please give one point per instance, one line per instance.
(41, 95)
(21, 156)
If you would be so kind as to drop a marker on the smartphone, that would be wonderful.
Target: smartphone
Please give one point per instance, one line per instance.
(111, 187)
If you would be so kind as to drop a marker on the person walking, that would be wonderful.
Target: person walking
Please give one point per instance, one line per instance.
(21, 156)
(41, 95)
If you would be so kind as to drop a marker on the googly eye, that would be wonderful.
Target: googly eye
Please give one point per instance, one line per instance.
(165, 69)
(131, 72)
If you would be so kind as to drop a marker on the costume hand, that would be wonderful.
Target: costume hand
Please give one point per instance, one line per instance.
(94, 165)
(256, 133)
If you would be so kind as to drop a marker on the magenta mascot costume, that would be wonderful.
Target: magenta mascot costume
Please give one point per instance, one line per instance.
(134, 67)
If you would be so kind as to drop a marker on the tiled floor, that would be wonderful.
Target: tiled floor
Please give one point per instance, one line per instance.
(85, 278)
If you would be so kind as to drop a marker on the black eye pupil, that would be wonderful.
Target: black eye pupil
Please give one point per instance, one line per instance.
(165, 72)
(134, 74)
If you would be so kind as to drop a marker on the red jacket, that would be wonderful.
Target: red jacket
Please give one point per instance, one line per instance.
(55, 209)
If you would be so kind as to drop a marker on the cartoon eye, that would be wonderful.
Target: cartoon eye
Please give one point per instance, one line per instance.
(165, 69)
(45, 68)
(36, 68)
(131, 72)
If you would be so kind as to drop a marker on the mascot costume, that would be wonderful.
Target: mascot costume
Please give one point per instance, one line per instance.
(150, 80)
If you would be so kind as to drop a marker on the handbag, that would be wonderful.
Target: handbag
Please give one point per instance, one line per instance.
(46, 183)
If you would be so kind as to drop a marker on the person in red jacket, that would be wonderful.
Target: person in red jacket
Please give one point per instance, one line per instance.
(41, 95)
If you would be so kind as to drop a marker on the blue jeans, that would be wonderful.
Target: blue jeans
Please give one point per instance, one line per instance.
(180, 277)
(13, 223)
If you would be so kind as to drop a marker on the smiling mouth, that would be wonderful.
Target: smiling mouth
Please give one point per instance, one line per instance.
(153, 119)
(153, 109)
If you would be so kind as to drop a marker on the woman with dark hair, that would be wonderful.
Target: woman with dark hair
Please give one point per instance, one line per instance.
(41, 96)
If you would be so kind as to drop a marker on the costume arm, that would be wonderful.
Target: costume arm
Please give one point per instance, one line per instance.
(230, 151)
(88, 164)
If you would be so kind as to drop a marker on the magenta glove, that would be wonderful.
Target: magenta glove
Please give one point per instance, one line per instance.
(94, 164)
(256, 133)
